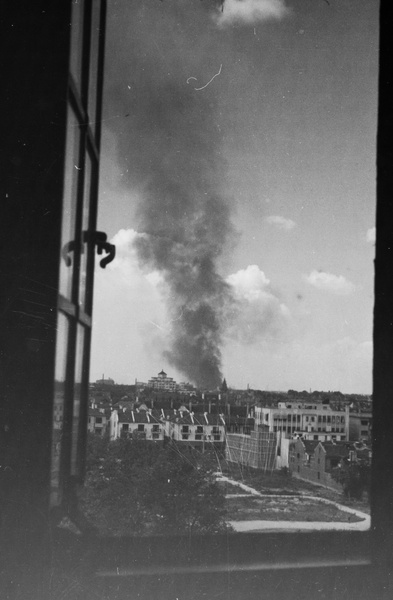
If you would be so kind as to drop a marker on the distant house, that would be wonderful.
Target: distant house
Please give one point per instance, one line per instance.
(138, 424)
(107, 381)
(238, 424)
(315, 461)
(195, 430)
(97, 421)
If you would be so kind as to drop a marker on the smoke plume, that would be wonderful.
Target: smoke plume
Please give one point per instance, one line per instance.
(169, 147)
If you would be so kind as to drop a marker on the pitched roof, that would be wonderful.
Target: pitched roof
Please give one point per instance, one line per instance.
(336, 449)
(94, 412)
(187, 418)
(133, 416)
(310, 445)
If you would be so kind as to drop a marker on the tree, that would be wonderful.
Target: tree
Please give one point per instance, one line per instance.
(354, 477)
(134, 487)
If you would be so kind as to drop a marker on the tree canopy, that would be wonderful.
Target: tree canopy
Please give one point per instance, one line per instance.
(134, 487)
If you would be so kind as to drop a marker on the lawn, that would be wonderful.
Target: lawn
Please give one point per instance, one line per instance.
(298, 508)
(280, 482)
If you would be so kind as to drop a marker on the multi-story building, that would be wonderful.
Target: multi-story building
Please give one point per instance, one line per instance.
(360, 422)
(196, 430)
(306, 420)
(162, 382)
(139, 424)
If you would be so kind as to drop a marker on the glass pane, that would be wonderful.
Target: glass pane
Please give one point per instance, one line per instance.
(93, 72)
(72, 170)
(77, 42)
(239, 140)
(59, 404)
(78, 398)
(86, 248)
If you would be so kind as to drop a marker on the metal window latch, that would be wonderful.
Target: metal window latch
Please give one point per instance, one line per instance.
(99, 239)
(66, 249)
(96, 238)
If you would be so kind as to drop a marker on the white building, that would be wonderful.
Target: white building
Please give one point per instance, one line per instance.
(306, 420)
(141, 424)
(163, 383)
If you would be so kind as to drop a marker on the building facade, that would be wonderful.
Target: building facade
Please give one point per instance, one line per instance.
(360, 424)
(306, 420)
(314, 461)
(97, 421)
(199, 431)
(162, 383)
(137, 424)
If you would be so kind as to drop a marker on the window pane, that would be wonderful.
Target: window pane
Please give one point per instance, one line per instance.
(252, 128)
(86, 248)
(59, 404)
(79, 394)
(77, 42)
(68, 234)
(93, 72)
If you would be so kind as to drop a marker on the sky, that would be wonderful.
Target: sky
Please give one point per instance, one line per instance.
(238, 184)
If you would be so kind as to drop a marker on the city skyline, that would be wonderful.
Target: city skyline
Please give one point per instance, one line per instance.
(291, 89)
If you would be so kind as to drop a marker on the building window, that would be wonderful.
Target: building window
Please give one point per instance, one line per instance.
(141, 427)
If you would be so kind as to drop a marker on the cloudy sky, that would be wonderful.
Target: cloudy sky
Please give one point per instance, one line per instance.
(238, 184)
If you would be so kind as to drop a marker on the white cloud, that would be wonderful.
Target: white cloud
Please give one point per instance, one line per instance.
(336, 284)
(126, 265)
(250, 12)
(281, 222)
(257, 311)
(371, 235)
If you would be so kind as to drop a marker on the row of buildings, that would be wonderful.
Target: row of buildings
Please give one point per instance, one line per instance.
(307, 438)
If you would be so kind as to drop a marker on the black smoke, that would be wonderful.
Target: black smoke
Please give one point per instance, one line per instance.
(168, 145)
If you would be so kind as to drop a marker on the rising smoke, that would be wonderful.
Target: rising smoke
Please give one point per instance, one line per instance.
(168, 144)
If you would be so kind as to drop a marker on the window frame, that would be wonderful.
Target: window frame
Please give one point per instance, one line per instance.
(363, 555)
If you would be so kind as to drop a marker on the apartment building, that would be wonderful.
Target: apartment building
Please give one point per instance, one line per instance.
(138, 424)
(196, 430)
(306, 420)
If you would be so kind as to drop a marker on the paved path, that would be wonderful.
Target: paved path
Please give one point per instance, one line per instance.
(260, 525)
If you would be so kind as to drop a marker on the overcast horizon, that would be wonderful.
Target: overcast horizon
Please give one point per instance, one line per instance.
(238, 184)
